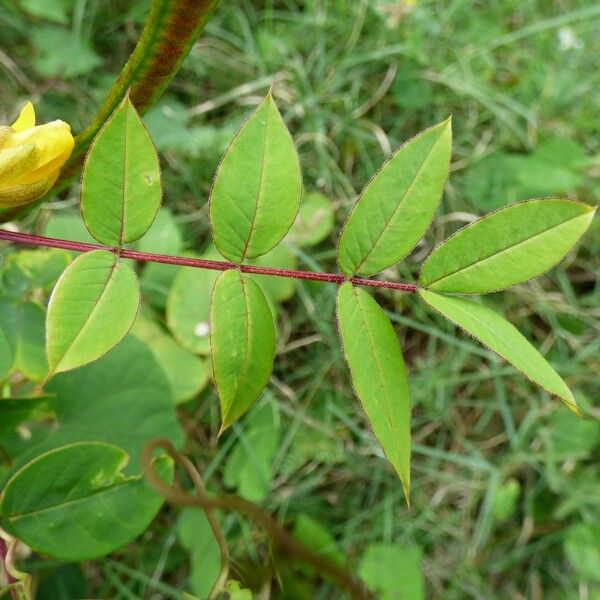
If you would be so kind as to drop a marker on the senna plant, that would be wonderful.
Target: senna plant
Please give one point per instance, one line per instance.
(71, 497)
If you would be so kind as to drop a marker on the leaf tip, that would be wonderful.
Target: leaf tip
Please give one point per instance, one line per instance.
(572, 406)
(406, 490)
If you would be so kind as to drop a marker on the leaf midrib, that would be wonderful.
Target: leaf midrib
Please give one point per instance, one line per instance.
(478, 262)
(244, 368)
(125, 169)
(91, 313)
(379, 372)
(486, 327)
(94, 494)
(385, 228)
(260, 188)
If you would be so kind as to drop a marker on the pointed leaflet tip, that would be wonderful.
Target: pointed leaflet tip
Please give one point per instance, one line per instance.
(372, 352)
(397, 206)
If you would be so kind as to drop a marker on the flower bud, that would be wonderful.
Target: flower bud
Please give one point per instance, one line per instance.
(31, 157)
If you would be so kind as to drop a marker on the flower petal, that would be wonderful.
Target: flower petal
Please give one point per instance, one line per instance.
(17, 195)
(16, 163)
(53, 142)
(26, 118)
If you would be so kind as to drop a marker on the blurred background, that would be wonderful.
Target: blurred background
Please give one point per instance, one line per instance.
(506, 481)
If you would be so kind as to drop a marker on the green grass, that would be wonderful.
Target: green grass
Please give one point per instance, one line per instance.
(354, 80)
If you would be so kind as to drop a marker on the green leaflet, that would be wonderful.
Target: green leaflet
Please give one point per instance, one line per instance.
(127, 382)
(120, 187)
(242, 341)
(187, 373)
(23, 325)
(92, 307)
(6, 355)
(257, 187)
(378, 374)
(507, 247)
(315, 220)
(74, 503)
(502, 337)
(188, 306)
(397, 205)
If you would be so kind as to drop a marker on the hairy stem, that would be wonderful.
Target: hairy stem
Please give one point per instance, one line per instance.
(215, 265)
(170, 30)
(283, 540)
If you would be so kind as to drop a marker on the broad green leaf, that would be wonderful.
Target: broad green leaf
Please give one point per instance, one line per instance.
(502, 337)
(164, 236)
(378, 374)
(67, 225)
(257, 188)
(188, 307)
(314, 222)
(74, 503)
(123, 398)
(187, 374)
(507, 247)
(14, 411)
(120, 187)
(29, 270)
(248, 468)
(6, 356)
(397, 205)
(23, 325)
(156, 282)
(242, 340)
(393, 572)
(91, 309)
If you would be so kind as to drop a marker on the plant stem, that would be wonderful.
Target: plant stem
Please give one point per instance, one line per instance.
(169, 32)
(9, 578)
(283, 540)
(200, 263)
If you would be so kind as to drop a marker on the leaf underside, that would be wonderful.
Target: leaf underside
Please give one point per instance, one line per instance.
(502, 337)
(507, 247)
(379, 377)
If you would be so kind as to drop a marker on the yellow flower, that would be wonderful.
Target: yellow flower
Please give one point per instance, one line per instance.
(31, 157)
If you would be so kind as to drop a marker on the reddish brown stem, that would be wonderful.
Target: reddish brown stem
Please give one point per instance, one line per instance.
(9, 578)
(200, 263)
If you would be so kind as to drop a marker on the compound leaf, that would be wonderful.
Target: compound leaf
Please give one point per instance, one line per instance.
(507, 247)
(242, 341)
(397, 205)
(502, 337)
(74, 503)
(92, 307)
(120, 188)
(378, 374)
(257, 188)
